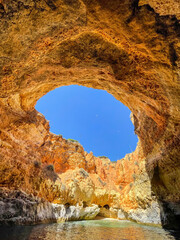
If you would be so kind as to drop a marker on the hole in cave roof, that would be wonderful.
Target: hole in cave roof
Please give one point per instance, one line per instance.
(92, 117)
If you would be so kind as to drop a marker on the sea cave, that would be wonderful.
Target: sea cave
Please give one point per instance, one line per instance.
(129, 48)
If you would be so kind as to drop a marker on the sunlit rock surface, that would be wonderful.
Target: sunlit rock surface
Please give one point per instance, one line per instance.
(73, 213)
(129, 48)
(163, 7)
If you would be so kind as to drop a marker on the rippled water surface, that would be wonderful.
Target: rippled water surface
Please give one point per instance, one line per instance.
(87, 230)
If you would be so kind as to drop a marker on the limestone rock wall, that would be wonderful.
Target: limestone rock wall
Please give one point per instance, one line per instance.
(19, 208)
(128, 48)
(165, 7)
(61, 172)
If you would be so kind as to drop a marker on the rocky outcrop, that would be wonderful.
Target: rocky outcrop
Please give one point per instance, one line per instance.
(73, 213)
(150, 215)
(67, 177)
(19, 208)
(165, 7)
(16, 207)
(128, 48)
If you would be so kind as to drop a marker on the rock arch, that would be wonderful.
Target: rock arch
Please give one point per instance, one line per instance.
(124, 48)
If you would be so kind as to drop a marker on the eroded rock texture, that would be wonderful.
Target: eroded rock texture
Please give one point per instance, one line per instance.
(129, 48)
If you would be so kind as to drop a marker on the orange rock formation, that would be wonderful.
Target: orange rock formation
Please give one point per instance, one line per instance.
(129, 48)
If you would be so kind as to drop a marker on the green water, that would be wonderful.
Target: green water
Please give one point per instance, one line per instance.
(87, 230)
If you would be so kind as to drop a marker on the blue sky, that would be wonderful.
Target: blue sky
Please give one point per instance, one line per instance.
(93, 117)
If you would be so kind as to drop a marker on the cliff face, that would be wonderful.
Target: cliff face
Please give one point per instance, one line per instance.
(46, 166)
(128, 48)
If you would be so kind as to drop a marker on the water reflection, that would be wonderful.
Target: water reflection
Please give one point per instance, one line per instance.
(90, 230)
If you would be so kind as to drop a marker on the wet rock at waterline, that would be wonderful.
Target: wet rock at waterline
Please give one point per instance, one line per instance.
(19, 209)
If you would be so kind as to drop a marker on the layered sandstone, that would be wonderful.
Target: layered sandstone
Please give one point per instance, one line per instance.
(128, 48)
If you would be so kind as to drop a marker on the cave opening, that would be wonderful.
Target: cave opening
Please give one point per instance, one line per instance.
(127, 48)
(106, 206)
(92, 117)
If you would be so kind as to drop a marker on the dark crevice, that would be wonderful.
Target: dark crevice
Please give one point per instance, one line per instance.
(161, 25)
(2, 10)
(134, 8)
(170, 217)
(67, 205)
(50, 4)
(156, 180)
(106, 206)
(173, 54)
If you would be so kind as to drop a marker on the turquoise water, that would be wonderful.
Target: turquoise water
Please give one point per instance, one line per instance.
(87, 230)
